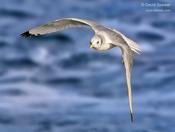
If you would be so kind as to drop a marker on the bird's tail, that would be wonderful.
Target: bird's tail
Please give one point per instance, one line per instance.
(133, 45)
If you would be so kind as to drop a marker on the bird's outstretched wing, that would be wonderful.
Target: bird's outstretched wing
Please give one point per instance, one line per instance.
(128, 48)
(127, 55)
(58, 25)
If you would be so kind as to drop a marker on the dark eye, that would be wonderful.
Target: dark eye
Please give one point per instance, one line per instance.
(97, 42)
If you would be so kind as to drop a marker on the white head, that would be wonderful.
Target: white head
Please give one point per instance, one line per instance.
(96, 42)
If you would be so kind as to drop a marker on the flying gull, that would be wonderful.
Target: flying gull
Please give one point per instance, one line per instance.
(104, 39)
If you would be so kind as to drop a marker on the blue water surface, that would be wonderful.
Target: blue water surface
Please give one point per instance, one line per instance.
(56, 83)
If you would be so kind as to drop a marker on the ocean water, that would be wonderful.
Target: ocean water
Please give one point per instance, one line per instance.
(56, 83)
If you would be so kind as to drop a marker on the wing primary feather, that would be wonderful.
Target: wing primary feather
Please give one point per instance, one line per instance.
(27, 34)
(132, 117)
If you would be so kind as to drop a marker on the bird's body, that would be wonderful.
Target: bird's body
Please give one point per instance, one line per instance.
(104, 39)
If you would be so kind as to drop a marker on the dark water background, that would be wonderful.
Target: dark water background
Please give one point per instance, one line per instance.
(55, 83)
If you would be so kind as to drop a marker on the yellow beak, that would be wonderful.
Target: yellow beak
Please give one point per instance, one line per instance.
(91, 46)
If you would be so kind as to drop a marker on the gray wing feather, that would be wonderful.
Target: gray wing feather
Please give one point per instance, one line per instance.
(58, 25)
(128, 48)
(127, 55)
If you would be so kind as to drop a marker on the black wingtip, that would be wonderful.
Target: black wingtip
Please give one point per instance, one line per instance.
(132, 117)
(26, 34)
